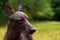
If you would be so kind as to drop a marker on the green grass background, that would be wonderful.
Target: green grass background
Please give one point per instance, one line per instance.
(48, 30)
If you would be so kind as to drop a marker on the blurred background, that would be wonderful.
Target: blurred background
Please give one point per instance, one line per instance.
(44, 16)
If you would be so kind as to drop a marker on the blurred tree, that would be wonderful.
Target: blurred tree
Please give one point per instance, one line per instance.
(56, 7)
(34, 8)
(2, 13)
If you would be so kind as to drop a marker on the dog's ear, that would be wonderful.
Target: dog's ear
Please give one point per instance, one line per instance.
(8, 9)
(20, 7)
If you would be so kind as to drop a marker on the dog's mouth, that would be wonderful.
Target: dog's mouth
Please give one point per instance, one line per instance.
(28, 32)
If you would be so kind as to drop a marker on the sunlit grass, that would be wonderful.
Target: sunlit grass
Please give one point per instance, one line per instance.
(2, 32)
(44, 31)
(47, 31)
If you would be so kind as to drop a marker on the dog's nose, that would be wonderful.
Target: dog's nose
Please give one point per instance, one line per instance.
(32, 31)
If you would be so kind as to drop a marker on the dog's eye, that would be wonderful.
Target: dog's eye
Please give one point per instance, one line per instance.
(21, 19)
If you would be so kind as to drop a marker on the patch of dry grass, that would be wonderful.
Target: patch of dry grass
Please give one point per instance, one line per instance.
(2, 32)
(47, 35)
(47, 30)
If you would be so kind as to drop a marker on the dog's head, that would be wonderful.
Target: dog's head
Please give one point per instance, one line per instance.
(20, 19)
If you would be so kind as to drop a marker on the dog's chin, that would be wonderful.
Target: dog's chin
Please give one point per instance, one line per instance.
(23, 36)
(26, 37)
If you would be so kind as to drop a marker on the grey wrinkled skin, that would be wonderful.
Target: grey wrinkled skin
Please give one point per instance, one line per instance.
(19, 27)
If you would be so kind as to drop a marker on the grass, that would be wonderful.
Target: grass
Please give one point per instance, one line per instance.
(47, 31)
(44, 31)
(2, 32)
